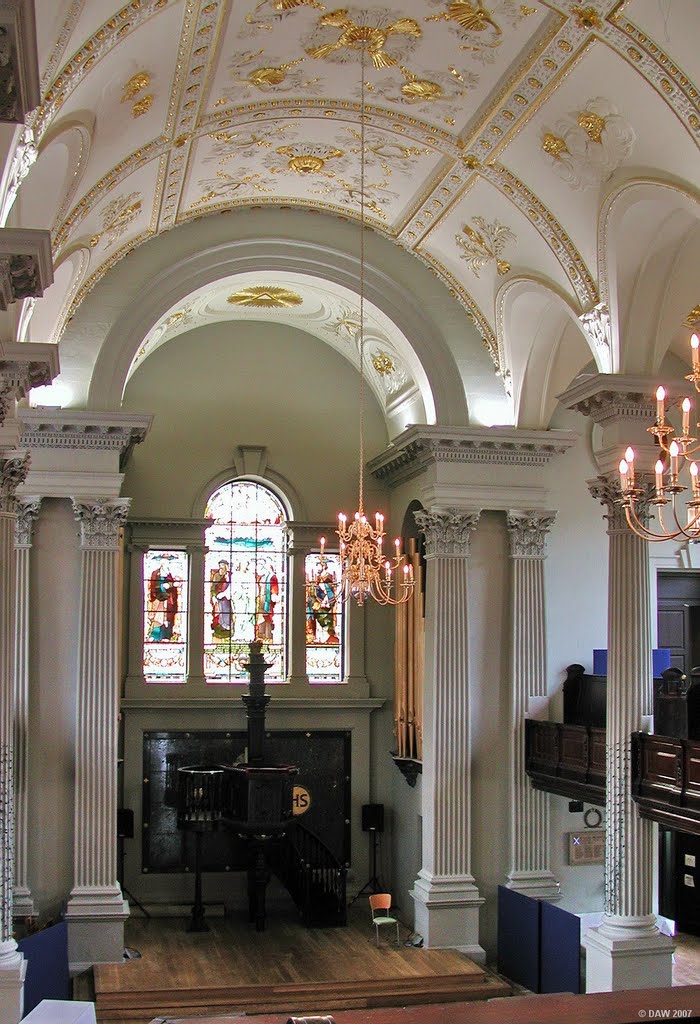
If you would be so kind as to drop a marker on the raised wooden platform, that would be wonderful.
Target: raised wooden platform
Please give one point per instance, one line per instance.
(286, 969)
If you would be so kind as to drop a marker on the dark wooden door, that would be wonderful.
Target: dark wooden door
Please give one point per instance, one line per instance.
(678, 616)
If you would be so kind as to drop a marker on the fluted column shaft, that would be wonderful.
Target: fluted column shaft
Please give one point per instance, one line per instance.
(446, 898)
(27, 512)
(627, 950)
(529, 826)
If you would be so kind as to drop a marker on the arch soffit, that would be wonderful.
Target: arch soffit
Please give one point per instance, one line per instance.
(207, 266)
(614, 209)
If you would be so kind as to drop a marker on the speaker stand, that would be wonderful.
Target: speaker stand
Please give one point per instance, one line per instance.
(373, 884)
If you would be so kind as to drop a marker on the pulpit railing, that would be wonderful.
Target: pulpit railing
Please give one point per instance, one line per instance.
(313, 876)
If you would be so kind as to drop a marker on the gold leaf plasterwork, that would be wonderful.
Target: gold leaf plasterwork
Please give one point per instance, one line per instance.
(586, 17)
(383, 364)
(307, 159)
(470, 16)
(554, 145)
(289, 5)
(693, 317)
(484, 244)
(136, 84)
(265, 297)
(592, 124)
(143, 105)
(119, 214)
(355, 36)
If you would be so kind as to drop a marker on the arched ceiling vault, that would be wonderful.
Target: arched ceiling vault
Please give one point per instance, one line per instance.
(495, 129)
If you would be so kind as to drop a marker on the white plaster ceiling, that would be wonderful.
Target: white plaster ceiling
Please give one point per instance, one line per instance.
(495, 133)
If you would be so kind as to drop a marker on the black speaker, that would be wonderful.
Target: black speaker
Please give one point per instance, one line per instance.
(373, 817)
(125, 823)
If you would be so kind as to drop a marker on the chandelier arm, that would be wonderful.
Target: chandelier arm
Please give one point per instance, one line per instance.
(644, 532)
(684, 529)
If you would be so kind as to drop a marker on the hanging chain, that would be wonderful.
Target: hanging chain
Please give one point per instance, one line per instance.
(362, 277)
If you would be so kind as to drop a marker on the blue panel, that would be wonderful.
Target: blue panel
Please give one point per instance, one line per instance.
(661, 659)
(600, 663)
(560, 950)
(518, 937)
(47, 967)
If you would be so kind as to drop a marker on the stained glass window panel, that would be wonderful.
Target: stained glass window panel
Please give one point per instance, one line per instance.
(245, 581)
(165, 616)
(324, 619)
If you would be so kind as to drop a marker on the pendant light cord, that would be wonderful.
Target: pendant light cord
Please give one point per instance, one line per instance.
(362, 276)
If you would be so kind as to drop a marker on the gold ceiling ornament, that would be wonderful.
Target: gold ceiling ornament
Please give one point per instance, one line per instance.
(554, 145)
(367, 571)
(265, 297)
(383, 364)
(119, 214)
(136, 84)
(527, 11)
(471, 16)
(308, 159)
(484, 244)
(593, 124)
(274, 75)
(586, 17)
(143, 105)
(418, 90)
(366, 38)
(289, 5)
(693, 317)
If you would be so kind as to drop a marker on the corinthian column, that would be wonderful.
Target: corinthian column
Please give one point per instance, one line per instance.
(446, 899)
(27, 512)
(626, 951)
(96, 910)
(529, 808)
(13, 967)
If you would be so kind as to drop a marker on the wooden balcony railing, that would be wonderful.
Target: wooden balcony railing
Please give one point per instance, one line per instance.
(566, 759)
(666, 780)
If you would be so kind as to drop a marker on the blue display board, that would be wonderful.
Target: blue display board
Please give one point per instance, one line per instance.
(47, 967)
(560, 950)
(519, 938)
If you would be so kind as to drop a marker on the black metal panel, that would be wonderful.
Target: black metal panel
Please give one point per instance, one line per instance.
(323, 759)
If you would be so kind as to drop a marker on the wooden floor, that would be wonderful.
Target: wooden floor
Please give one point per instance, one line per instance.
(686, 960)
(286, 969)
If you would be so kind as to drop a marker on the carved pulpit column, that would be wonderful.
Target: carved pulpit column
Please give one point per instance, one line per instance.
(27, 512)
(446, 899)
(529, 818)
(13, 470)
(96, 910)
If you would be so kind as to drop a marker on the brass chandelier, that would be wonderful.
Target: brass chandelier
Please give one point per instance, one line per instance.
(678, 451)
(366, 570)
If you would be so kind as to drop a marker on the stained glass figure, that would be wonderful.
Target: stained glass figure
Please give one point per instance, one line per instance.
(245, 581)
(324, 619)
(165, 616)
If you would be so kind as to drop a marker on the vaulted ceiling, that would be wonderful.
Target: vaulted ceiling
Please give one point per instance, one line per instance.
(541, 158)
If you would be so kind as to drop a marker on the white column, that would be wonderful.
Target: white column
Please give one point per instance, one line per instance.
(626, 951)
(96, 910)
(27, 512)
(297, 550)
(529, 808)
(195, 606)
(446, 899)
(13, 967)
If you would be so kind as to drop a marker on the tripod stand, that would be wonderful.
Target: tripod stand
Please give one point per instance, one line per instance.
(373, 883)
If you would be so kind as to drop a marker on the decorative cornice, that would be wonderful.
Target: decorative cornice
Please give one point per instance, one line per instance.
(27, 512)
(26, 267)
(447, 531)
(527, 530)
(23, 367)
(13, 471)
(66, 428)
(19, 65)
(609, 396)
(101, 521)
(420, 446)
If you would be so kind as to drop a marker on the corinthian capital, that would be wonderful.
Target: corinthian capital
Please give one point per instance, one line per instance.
(13, 472)
(27, 513)
(606, 489)
(528, 531)
(446, 530)
(100, 522)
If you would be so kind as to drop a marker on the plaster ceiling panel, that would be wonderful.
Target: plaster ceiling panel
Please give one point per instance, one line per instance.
(482, 238)
(434, 61)
(47, 317)
(674, 25)
(122, 215)
(47, 183)
(314, 161)
(602, 118)
(53, 18)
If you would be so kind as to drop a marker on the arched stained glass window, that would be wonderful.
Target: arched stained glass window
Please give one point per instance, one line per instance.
(245, 584)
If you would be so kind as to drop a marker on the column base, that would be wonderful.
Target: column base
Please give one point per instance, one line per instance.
(447, 913)
(95, 927)
(22, 903)
(627, 952)
(540, 885)
(13, 971)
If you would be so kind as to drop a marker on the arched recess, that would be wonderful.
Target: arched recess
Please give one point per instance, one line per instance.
(56, 175)
(156, 276)
(645, 227)
(49, 314)
(544, 346)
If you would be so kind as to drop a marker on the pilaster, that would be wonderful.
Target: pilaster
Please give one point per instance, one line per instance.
(446, 897)
(13, 470)
(96, 910)
(27, 513)
(529, 819)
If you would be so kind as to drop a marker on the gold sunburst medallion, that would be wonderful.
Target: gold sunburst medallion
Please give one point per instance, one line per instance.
(383, 364)
(265, 297)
